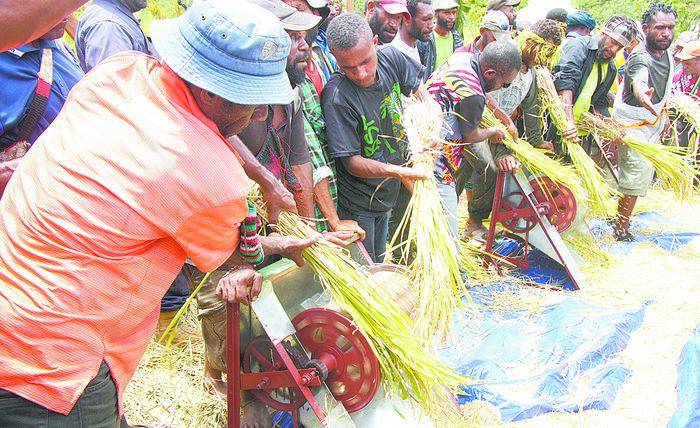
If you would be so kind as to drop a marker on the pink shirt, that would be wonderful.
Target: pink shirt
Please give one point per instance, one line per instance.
(129, 181)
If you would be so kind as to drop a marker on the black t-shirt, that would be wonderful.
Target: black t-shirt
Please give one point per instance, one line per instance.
(470, 110)
(367, 122)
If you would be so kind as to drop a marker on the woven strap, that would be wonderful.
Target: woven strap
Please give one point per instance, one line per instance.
(37, 107)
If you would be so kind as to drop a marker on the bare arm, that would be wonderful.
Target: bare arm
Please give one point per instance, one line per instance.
(304, 197)
(26, 20)
(278, 198)
(501, 115)
(482, 134)
(370, 168)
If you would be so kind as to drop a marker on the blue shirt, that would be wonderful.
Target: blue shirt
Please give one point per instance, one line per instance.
(107, 27)
(18, 78)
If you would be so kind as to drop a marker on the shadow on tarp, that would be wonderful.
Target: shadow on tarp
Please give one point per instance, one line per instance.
(563, 359)
(688, 385)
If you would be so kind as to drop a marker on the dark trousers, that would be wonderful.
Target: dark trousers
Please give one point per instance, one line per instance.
(176, 295)
(376, 227)
(96, 408)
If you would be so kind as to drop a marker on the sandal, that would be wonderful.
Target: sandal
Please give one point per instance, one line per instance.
(476, 233)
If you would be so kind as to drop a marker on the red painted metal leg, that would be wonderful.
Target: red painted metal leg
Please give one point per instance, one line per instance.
(233, 363)
(495, 211)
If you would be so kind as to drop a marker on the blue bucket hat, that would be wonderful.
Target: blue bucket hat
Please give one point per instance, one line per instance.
(234, 49)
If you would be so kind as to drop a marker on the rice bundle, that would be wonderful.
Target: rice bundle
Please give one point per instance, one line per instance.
(429, 250)
(671, 167)
(534, 159)
(409, 367)
(688, 108)
(599, 193)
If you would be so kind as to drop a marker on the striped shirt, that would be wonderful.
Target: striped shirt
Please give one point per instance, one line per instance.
(129, 181)
(455, 81)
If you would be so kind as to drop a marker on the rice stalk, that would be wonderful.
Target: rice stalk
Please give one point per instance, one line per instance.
(408, 365)
(688, 108)
(171, 331)
(533, 159)
(671, 167)
(429, 250)
(599, 193)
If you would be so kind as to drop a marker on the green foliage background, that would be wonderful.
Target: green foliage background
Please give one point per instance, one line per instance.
(688, 10)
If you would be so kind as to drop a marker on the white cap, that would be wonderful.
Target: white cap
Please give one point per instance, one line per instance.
(444, 5)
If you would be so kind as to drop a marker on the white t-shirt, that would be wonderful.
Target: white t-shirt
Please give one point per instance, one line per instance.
(410, 51)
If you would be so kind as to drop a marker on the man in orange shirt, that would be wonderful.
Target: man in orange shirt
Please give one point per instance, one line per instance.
(133, 177)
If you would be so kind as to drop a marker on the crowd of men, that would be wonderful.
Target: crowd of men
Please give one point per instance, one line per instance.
(126, 164)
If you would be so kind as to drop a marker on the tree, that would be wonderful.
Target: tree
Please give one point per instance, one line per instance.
(688, 10)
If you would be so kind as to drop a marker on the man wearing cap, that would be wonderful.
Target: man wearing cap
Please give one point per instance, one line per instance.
(639, 107)
(584, 75)
(505, 6)
(322, 63)
(460, 87)
(132, 178)
(417, 28)
(107, 27)
(444, 40)
(494, 27)
(362, 107)
(687, 79)
(384, 18)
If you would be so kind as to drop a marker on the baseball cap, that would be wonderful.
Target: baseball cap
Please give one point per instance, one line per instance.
(322, 6)
(236, 50)
(497, 22)
(291, 19)
(395, 7)
(444, 4)
(690, 50)
(621, 29)
(497, 4)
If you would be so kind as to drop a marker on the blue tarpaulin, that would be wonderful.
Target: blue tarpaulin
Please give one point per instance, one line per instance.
(562, 359)
(566, 357)
(646, 227)
(688, 385)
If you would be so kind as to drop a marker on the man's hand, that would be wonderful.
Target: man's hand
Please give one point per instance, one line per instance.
(277, 198)
(547, 145)
(341, 238)
(496, 135)
(513, 130)
(408, 176)
(571, 134)
(288, 247)
(645, 101)
(242, 284)
(508, 164)
(350, 226)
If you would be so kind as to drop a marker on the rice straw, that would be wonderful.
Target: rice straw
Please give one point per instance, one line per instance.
(409, 366)
(670, 165)
(599, 193)
(429, 250)
(535, 160)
